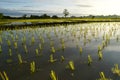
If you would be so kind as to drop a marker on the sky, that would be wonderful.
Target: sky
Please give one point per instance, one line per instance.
(56, 7)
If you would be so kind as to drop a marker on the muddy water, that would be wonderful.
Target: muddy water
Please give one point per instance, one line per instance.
(88, 36)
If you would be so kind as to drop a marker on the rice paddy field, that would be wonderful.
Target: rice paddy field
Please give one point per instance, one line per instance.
(86, 51)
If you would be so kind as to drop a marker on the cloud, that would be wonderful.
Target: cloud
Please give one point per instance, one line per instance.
(27, 6)
(82, 5)
(10, 12)
(12, 1)
(15, 12)
(34, 11)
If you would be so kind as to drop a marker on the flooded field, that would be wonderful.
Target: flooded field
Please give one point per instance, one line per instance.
(87, 51)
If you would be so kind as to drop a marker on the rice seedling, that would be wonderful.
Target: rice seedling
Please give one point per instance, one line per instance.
(9, 43)
(20, 59)
(52, 49)
(32, 67)
(62, 58)
(0, 49)
(15, 45)
(63, 46)
(85, 42)
(51, 43)
(25, 48)
(102, 77)
(1, 40)
(37, 52)
(89, 60)
(62, 41)
(80, 50)
(42, 40)
(52, 59)
(116, 70)
(4, 76)
(16, 37)
(100, 55)
(99, 48)
(117, 39)
(23, 40)
(40, 47)
(103, 44)
(71, 65)
(10, 52)
(32, 40)
(53, 75)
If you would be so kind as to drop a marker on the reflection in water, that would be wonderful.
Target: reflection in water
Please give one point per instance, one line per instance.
(61, 51)
(18, 23)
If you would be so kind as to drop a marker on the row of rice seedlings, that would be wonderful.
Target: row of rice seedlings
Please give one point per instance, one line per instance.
(89, 57)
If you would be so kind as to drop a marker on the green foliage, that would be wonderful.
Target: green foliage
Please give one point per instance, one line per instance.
(1, 15)
(65, 12)
(32, 67)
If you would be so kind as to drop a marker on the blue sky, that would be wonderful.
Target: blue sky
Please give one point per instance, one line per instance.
(75, 7)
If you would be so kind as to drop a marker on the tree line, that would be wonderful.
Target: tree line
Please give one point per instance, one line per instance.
(65, 14)
(43, 16)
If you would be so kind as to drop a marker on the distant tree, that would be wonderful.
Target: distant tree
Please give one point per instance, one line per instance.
(34, 16)
(44, 16)
(24, 16)
(1, 15)
(54, 16)
(7, 17)
(93, 17)
(65, 12)
(73, 16)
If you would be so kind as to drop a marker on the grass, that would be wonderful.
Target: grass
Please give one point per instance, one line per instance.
(5, 21)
